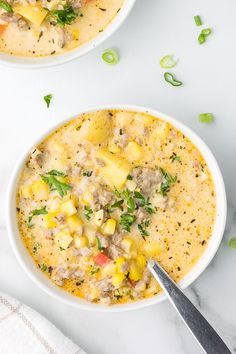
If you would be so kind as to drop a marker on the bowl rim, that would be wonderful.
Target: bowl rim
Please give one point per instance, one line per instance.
(48, 286)
(24, 62)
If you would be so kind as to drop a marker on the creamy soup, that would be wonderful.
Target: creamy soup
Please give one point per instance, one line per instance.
(49, 27)
(106, 192)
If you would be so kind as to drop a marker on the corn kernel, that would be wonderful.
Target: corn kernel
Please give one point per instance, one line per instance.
(93, 293)
(81, 241)
(109, 227)
(40, 190)
(117, 279)
(135, 272)
(68, 208)
(126, 244)
(26, 192)
(63, 239)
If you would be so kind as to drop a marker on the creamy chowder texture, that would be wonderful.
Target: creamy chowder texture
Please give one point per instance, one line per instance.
(48, 27)
(107, 191)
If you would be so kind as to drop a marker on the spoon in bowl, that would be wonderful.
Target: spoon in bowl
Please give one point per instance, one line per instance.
(206, 336)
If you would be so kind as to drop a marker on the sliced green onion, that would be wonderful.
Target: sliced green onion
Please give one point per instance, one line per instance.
(198, 20)
(232, 242)
(167, 62)
(201, 38)
(206, 32)
(206, 118)
(171, 79)
(110, 56)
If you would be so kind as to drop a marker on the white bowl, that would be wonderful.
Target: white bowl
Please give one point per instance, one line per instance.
(46, 284)
(40, 62)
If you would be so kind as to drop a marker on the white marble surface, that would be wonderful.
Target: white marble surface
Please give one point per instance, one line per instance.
(154, 28)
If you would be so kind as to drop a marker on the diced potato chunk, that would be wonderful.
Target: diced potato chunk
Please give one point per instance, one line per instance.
(81, 241)
(97, 128)
(87, 198)
(109, 227)
(109, 269)
(74, 223)
(116, 170)
(131, 185)
(133, 151)
(40, 190)
(143, 119)
(161, 130)
(114, 148)
(68, 207)
(123, 118)
(26, 192)
(34, 13)
(117, 279)
(49, 221)
(63, 239)
(126, 244)
(135, 272)
(98, 217)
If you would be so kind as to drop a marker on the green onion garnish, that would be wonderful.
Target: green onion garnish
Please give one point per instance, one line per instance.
(198, 20)
(110, 56)
(206, 118)
(171, 79)
(232, 242)
(202, 36)
(167, 62)
(206, 32)
(47, 99)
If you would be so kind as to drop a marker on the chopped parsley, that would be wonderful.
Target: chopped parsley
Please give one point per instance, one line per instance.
(94, 270)
(175, 157)
(47, 99)
(142, 228)
(65, 16)
(117, 204)
(5, 6)
(167, 182)
(88, 212)
(144, 202)
(55, 184)
(100, 248)
(129, 178)
(126, 220)
(35, 212)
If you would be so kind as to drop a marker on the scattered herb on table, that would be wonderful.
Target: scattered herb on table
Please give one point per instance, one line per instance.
(110, 56)
(168, 62)
(198, 20)
(51, 178)
(203, 35)
(206, 118)
(232, 243)
(169, 77)
(48, 99)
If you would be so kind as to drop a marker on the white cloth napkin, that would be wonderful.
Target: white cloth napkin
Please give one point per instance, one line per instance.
(25, 331)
